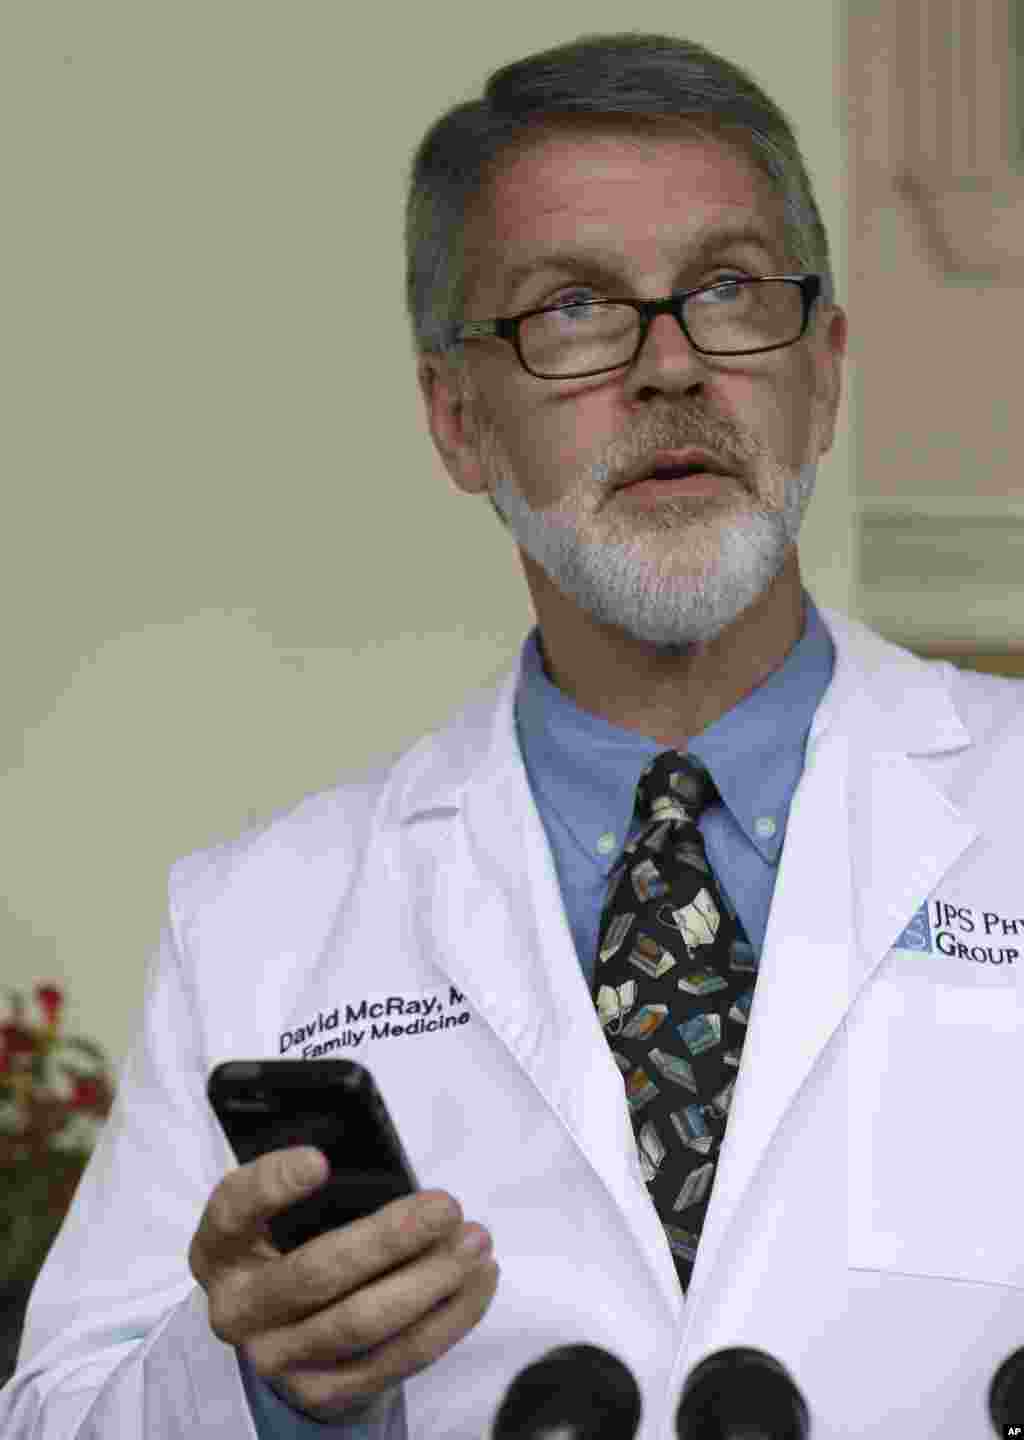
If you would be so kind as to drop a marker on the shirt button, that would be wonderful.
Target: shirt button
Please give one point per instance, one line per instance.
(606, 844)
(765, 827)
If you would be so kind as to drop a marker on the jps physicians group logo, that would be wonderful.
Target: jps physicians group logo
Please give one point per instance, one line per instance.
(964, 933)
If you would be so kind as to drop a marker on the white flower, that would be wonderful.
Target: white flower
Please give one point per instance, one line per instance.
(80, 1133)
(56, 1081)
(10, 1118)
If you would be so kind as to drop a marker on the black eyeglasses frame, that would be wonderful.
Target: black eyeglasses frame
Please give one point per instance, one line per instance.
(506, 327)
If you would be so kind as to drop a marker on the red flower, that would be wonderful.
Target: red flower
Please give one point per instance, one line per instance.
(87, 1094)
(51, 1002)
(15, 1040)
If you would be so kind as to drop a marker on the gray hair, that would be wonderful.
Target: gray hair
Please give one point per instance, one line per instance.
(641, 78)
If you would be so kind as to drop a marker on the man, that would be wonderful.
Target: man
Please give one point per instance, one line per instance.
(681, 711)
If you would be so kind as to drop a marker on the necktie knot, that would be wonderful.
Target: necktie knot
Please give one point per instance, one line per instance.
(674, 787)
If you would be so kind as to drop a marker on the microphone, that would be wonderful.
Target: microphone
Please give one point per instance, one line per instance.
(577, 1392)
(741, 1394)
(1006, 1393)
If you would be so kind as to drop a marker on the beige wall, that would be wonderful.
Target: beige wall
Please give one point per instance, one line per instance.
(234, 569)
(935, 195)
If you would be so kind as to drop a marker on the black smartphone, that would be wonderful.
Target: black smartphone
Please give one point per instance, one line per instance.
(332, 1104)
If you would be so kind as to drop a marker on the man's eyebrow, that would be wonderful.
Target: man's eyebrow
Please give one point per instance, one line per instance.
(607, 267)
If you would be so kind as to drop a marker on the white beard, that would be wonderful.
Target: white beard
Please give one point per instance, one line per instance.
(672, 576)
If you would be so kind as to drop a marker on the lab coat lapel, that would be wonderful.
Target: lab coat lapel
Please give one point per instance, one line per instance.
(491, 916)
(869, 837)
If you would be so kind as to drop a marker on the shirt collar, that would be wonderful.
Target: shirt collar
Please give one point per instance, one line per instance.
(585, 770)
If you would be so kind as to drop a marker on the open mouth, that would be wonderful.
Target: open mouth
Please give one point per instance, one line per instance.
(688, 480)
(676, 468)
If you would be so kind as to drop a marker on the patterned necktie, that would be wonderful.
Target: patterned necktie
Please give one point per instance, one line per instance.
(673, 984)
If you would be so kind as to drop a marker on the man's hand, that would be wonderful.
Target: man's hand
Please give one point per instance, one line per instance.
(343, 1318)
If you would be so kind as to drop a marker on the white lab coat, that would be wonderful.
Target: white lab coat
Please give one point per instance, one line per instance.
(865, 1222)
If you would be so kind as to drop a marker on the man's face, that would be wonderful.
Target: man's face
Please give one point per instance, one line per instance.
(551, 452)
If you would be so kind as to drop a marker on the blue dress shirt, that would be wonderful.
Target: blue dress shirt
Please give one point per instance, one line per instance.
(583, 773)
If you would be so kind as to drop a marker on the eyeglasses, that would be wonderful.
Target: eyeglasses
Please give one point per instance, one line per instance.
(745, 316)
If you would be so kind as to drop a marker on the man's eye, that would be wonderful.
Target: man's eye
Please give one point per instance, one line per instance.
(579, 294)
(724, 278)
(567, 297)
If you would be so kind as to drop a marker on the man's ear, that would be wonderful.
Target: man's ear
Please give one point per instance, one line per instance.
(447, 396)
(830, 360)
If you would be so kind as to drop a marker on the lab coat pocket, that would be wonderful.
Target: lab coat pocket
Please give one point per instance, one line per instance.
(935, 1168)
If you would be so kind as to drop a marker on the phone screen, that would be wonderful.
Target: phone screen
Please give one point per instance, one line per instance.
(332, 1104)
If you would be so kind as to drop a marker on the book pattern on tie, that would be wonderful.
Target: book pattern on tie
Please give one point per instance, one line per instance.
(673, 984)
